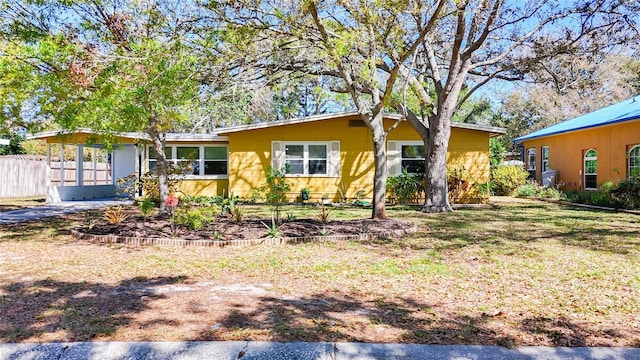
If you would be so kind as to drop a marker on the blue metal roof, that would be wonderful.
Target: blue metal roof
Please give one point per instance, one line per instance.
(623, 111)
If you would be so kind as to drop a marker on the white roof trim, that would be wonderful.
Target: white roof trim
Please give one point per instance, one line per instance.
(171, 137)
(263, 125)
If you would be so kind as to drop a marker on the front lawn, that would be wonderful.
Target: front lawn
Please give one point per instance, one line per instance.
(521, 272)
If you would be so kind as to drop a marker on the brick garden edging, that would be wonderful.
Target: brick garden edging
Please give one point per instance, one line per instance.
(129, 240)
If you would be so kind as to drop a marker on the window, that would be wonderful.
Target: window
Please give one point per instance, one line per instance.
(545, 158)
(531, 163)
(306, 158)
(195, 160)
(412, 158)
(188, 159)
(591, 169)
(634, 161)
(152, 158)
(215, 160)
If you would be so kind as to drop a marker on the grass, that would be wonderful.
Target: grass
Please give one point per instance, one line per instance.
(517, 273)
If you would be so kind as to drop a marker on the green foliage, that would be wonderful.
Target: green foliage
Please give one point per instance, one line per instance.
(146, 206)
(528, 190)
(14, 147)
(304, 194)
(497, 152)
(534, 190)
(623, 195)
(273, 231)
(405, 187)
(275, 189)
(196, 218)
(227, 203)
(627, 192)
(291, 217)
(238, 214)
(505, 179)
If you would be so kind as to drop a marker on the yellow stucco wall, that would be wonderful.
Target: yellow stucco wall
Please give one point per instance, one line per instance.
(205, 187)
(250, 154)
(566, 152)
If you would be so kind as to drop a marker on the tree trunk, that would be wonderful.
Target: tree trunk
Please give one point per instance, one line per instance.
(436, 199)
(158, 143)
(380, 176)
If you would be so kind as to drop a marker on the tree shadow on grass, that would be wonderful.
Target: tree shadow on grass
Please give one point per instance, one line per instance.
(530, 223)
(344, 318)
(81, 311)
(38, 230)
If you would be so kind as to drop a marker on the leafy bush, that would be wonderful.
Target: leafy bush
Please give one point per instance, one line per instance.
(146, 206)
(506, 179)
(528, 189)
(405, 187)
(623, 195)
(196, 218)
(275, 189)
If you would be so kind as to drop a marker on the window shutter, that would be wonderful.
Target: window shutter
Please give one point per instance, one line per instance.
(277, 155)
(334, 159)
(393, 158)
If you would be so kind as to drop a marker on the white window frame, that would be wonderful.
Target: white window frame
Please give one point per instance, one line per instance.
(305, 157)
(544, 158)
(633, 159)
(409, 143)
(531, 165)
(584, 164)
(200, 160)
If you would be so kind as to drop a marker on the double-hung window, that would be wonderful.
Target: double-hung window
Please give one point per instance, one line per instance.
(634, 161)
(412, 158)
(152, 158)
(195, 160)
(591, 169)
(531, 163)
(306, 158)
(545, 158)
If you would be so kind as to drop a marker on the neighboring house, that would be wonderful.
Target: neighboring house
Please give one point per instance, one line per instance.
(329, 154)
(589, 150)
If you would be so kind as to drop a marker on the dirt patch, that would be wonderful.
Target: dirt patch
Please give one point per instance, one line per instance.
(226, 228)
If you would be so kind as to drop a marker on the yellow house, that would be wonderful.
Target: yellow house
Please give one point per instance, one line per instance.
(329, 154)
(584, 152)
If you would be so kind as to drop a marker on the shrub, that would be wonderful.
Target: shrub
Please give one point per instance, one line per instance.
(196, 218)
(146, 206)
(508, 178)
(115, 215)
(552, 193)
(404, 188)
(627, 193)
(275, 189)
(528, 189)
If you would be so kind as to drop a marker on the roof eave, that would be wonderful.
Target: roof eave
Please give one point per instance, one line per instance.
(520, 140)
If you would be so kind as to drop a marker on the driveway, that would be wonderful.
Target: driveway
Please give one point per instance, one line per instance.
(57, 209)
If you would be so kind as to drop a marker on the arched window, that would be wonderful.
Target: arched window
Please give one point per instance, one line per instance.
(591, 169)
(531, 163)
(634, 161)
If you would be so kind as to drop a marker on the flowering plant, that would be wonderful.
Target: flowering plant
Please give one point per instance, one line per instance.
(172, 203)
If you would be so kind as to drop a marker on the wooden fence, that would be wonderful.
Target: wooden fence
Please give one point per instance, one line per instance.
(23, 176)
(29, 176)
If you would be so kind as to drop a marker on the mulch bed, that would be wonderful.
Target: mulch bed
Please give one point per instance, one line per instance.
(224, 228)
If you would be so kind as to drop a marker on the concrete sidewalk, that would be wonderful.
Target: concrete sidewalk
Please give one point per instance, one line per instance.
(233, 350)
(57, 209)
